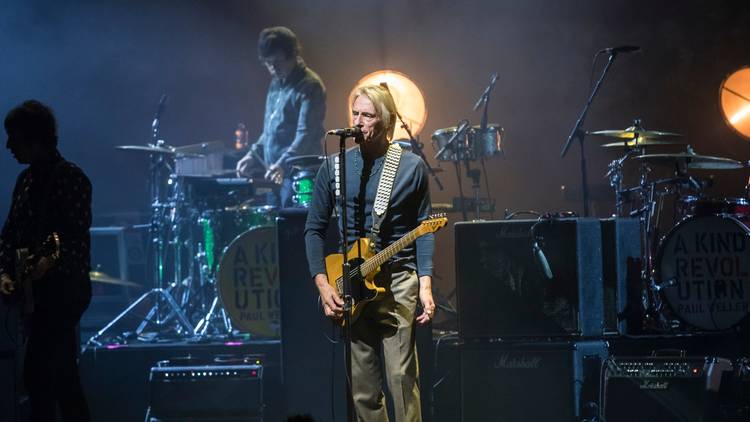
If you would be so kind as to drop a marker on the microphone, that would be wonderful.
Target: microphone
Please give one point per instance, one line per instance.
(542, 260)
(349, 132)
(486, 92)
(159, 111)
(622, 49)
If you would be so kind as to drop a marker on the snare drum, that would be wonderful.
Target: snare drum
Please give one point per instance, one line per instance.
(248, 281)
(219, 227)
(700, 206)
(703, 268)
(303, 184)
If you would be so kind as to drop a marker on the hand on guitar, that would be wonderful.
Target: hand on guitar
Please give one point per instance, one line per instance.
(41, 267)
(6, 284)
(333, 305)
(425, 298)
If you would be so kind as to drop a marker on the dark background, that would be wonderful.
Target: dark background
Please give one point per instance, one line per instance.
(103, 66)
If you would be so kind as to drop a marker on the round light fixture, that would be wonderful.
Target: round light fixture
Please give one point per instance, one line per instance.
(407, 96)
(734, 97)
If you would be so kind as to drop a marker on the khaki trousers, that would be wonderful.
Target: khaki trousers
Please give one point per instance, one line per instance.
(387, 326)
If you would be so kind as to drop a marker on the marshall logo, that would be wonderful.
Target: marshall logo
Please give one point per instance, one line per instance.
(507, 361)
(654, 385)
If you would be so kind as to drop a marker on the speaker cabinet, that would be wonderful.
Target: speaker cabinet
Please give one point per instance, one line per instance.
(530, 381)
(621, 268)
(503, 291)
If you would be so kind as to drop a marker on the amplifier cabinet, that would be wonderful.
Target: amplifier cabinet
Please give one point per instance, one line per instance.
(663, 389)
(206, 393)
(542, 381)
(502, 288)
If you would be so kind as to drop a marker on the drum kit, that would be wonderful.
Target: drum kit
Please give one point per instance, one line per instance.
(216, 233)
(695, 277)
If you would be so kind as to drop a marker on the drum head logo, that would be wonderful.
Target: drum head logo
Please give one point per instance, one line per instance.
(249, 283)
(704, 270)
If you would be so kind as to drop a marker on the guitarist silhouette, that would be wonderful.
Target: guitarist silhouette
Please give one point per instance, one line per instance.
(51, 206)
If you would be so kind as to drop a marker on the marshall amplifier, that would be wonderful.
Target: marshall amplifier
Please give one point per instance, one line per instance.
(530, 278)
(543, 381)
(217, 392)
(663, 389)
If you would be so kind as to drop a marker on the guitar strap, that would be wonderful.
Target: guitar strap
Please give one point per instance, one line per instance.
(385, 187)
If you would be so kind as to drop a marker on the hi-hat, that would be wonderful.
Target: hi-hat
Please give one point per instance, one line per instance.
(100, 277)
(692, 161)
(201, 148)
(636, 136)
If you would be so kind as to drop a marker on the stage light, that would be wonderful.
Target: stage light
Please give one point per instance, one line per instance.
(407, 95)
(734, 97)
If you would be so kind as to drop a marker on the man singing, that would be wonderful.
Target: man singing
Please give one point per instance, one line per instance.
(295, 109)
(388, 324)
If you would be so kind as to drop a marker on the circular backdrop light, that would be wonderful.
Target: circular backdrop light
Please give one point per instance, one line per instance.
(407, 96)
(735, 101)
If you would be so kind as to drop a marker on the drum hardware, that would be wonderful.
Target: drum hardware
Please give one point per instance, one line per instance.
(677, 291)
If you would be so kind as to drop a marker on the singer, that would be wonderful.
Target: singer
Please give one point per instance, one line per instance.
(295, 109)
(386, 325)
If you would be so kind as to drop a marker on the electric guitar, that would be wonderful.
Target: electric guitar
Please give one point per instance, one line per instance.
(26, 261)
(364, 269)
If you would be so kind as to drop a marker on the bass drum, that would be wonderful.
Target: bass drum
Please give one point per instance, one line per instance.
(248, 277)
(703, 268)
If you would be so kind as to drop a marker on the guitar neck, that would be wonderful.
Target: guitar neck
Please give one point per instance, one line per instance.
(379, 259)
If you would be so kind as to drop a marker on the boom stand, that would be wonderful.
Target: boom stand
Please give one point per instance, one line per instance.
(578, 133)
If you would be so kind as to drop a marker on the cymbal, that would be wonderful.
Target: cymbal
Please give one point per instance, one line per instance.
(692, 160)
(632, 133)
(640, 142)
(151, 149)
(100, 277)
(302, 161)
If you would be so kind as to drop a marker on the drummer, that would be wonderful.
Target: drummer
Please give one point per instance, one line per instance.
(295, 109)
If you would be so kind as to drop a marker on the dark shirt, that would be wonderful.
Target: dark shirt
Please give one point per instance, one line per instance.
(408, 206)
(52, 196)
(293, 122)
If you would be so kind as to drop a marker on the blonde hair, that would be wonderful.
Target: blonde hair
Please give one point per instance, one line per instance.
(385, 107)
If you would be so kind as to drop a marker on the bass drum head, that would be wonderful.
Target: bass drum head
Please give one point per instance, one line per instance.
(248, 278)
(703, 267)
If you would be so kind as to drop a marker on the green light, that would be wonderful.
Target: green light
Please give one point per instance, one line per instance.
(208, 238)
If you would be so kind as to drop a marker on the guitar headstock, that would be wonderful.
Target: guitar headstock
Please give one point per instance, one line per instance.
(434, 223)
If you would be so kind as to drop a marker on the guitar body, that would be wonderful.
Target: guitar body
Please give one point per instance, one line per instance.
(363, 288)
(365, 265)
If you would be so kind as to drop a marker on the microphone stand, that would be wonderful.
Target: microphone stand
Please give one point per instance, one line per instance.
(346, 281)
(578, 133)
